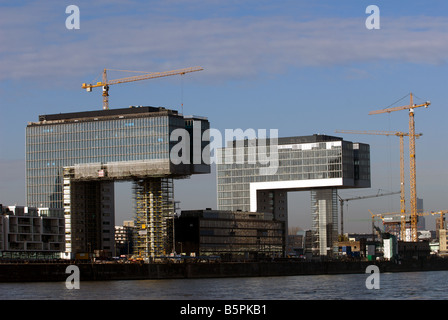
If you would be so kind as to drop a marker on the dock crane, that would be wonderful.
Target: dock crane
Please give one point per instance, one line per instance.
(106, 83)
(341, 201)
(413, 183)
(401, 135)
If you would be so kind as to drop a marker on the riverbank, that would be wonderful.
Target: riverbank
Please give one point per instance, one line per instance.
(46, 272)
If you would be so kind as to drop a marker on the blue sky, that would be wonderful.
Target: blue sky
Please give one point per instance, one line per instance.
(301, 67)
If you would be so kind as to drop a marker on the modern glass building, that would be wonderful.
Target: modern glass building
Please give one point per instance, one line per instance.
(98, 137)
(77, 156)
(318, 163)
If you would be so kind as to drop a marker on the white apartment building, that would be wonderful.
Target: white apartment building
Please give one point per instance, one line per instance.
(28, 232)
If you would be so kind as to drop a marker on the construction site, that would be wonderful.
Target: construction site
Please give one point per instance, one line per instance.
(74, 159)
(402, 227)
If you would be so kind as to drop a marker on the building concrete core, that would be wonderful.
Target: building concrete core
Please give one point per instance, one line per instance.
(73, 159)
(256, 174)
(324, 211)
(91, 224)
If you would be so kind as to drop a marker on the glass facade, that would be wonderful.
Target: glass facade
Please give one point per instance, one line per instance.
(231, 235)
(296, 162)
(72, 161)
(322, 164)
(55, 144)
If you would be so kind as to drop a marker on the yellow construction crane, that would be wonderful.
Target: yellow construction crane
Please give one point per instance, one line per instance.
(379, 216)
(442, 217)
(403, 230)
(413, 183)
(106, 83)
(383, 215)
(401, 135)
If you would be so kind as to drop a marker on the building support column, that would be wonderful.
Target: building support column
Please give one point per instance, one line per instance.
(89, 214)
(324, 211)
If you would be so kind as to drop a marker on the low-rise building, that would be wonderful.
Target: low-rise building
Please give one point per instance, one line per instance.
(232, 235)
(351, 248)
(414, 250)
(28, 232)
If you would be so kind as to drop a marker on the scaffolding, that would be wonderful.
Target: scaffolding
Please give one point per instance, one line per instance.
(154, 205)
(123, 170)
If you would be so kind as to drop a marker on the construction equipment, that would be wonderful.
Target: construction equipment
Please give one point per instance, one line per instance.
(341, 201)
(401, 135)
(106, 83)
(384, 218)
(413, 183)
(375, 216)
(383, 215)
(442, 218)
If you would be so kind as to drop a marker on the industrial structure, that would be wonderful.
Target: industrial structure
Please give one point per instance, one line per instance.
(342, 201)
(401, 135)
(413, 178)
(73, 159)
(319, 163)
(399, 224)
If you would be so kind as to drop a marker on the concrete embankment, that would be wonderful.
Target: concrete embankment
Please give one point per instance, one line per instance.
(25, 272)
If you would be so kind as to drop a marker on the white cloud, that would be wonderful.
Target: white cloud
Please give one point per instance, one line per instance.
(232, 47)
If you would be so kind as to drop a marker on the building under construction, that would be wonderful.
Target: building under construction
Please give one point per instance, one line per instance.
(73, 160)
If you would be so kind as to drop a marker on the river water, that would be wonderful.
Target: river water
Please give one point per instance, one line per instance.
(407, 285)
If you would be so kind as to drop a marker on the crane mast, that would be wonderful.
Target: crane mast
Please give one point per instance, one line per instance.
(401, 135)
(413, 183)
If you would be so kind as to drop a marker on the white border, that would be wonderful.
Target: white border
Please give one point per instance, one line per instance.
(292, 184)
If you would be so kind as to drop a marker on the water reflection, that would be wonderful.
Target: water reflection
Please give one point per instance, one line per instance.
(412, 285)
